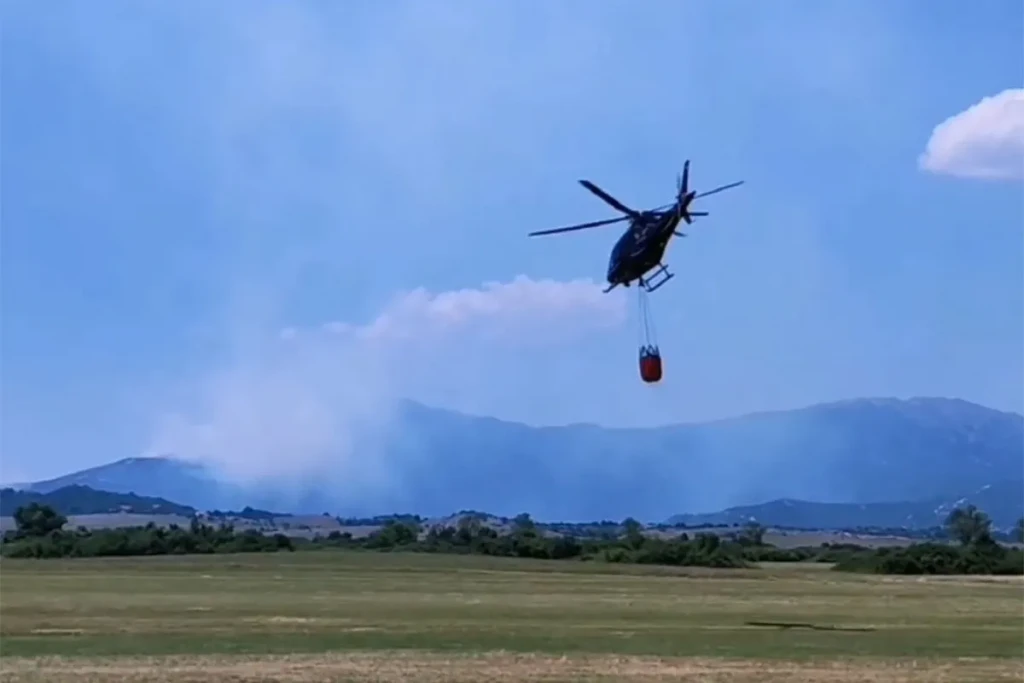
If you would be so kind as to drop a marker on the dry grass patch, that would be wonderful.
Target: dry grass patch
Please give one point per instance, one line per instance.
(418, 667)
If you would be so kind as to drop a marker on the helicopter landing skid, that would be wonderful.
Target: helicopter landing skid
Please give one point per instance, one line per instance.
(660, 277)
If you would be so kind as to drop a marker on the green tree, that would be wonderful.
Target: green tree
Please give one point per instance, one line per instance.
(524, 523)
(969, 526)
(393, 534)
(467, 529)
(634, 532)
(34, 520)
(752, 534)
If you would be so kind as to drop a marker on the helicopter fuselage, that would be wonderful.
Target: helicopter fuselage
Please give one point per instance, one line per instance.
(641, 247)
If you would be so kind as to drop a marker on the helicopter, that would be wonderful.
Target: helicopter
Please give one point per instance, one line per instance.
(642, 247)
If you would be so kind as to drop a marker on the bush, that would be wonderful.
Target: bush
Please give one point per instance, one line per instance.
(938, 558)
(770, 553)
(136, 541)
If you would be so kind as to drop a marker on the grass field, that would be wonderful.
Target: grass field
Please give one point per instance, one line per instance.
(335, 616)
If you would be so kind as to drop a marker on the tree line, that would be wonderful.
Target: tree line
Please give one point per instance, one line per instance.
(40, 533)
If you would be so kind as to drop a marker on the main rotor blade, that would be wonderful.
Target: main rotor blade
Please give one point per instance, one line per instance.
(581, 226)
(719, 189)
(608, 198)
(697, 213)
(686, 178)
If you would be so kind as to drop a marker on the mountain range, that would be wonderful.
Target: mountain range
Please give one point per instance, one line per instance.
(1003, 502)
(928, 452)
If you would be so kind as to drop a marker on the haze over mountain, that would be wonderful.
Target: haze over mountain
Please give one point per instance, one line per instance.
(432, 461)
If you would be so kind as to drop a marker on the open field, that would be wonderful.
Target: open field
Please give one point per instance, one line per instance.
(391, 617)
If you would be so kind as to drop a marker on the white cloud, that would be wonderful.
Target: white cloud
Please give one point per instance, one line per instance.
(290, 406)
(519, 310)
(984, 141)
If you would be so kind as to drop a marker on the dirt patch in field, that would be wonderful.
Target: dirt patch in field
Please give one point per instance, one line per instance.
(416, 667)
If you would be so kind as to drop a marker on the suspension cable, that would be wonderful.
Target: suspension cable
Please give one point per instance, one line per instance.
(644, 311)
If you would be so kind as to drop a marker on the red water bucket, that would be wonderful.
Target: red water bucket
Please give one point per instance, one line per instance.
(650, 364)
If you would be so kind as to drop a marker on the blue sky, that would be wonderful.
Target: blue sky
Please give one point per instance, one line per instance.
(252, 219)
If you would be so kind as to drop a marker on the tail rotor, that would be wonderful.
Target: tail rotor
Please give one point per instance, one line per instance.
(685, 196)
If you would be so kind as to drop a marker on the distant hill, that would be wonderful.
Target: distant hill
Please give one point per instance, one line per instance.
(160, 477)
(430, 461)
(1003, 502)
(83, 500)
